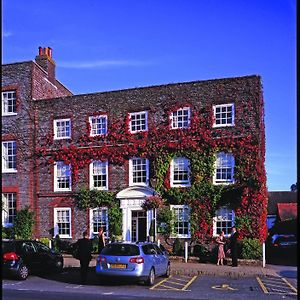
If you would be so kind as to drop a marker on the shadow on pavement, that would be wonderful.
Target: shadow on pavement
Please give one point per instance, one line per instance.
(72, 276)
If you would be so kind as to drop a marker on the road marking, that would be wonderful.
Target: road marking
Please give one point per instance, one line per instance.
(276, 286)
(223, 287)
(189, 283)
(166, 284)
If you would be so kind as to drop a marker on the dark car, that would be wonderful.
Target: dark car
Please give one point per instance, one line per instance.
(282, 241)
(141, 261)
(22, 257)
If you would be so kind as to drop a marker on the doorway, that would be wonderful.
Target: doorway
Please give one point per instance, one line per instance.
(138, 226)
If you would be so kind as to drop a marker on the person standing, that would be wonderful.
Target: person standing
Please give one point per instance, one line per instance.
(101, 241)
(221, 242)
(84, 254)
(233, 246)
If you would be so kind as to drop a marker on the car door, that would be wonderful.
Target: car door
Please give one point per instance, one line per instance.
(45, 258)
(156, 259)
(29, 255)
(162, 259)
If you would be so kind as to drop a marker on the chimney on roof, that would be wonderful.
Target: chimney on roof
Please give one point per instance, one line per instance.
(44, 60)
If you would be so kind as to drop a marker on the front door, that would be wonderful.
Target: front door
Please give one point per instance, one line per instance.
(138, 226)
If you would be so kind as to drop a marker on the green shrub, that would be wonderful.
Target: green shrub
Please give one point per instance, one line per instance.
(23, 223)
(251, 249)
(177, 248)
(44, 240)
(8, 233)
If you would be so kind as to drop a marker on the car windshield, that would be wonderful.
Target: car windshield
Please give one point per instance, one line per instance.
(286, 239)
(121, 250)
(8, 247)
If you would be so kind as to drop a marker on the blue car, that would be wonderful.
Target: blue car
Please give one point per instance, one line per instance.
(141, 261)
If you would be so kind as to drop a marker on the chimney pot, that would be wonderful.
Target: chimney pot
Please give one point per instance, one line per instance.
(50, 52)
(40, 51)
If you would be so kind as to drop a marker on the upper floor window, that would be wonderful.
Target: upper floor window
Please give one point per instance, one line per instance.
(181, 118)
(62, 129)
(98, 125)
(9, 103)
(223, 221)
(62, 222)
(9, 157)
(62, 177)
(98, 219)
(181, 221)
(99, 175)
(9, 208)
(223, 115)
(180, 172)
(138, 171)
(138, 121)
(224, 168)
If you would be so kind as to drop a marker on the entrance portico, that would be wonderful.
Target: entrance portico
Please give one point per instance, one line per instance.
(136, 221)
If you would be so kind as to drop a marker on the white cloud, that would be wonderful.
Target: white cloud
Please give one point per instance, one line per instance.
(103, 64)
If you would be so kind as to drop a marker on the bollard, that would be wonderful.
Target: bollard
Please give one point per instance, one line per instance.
(264, 254)
(186, 251)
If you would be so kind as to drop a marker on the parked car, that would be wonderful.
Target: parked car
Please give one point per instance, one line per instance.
(141, 261)
(22, 257)
(284, 241)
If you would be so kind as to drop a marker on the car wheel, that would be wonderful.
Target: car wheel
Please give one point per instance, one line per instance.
(151, 278)
(59, 267)
(23, 272)
(168, 271)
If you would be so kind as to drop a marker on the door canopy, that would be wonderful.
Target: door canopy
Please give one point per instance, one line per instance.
(134, 192)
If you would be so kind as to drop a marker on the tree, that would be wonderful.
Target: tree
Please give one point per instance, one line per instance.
(294, 187)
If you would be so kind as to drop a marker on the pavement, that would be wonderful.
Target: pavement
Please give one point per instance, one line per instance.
(194, 268)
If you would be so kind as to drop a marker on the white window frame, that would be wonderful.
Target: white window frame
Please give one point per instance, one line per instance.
(56, 169)
(180, 183)
(175, 119)
(224, 110)
(7, 156)
(135, 114)
(103, 165)
(55, 127)
(223, 214)
(229, 157)
(9, 208)
(56, 227)
(105, 227)
(131, 171)
(5, 105)
(176, 234)
(102, 122)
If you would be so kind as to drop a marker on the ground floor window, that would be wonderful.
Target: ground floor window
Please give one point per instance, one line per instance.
(181, 221)
(223, 220)
(99, 218)
(9, 208)
(62, 222)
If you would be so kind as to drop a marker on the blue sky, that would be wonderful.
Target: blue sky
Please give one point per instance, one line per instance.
(110, 45)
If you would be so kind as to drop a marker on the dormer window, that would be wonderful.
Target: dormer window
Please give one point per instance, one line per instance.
(138, 122)
(181, 118)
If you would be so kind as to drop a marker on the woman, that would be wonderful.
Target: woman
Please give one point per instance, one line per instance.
(221, 242)
(101, 242)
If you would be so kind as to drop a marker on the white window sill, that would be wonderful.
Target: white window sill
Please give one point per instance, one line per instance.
(9, 114)
(9, 171)
(64, 236)
(180, 236)
(222, 125)
(62, 138)
(180, 185)
(63, 190)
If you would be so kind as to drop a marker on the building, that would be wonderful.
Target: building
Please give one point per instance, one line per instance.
(197, 147)
(282, 206)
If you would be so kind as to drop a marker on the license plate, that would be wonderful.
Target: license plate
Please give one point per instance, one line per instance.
(118, 266)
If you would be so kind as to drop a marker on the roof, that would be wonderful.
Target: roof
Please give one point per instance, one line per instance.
(287, 211)
(280, 197)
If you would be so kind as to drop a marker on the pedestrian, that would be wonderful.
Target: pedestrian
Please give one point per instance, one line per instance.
(101, 240)
(233, 246)
(84, 254)
(221, 242)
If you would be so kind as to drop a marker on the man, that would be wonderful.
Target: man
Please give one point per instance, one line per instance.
(233, 246)
(84, 254)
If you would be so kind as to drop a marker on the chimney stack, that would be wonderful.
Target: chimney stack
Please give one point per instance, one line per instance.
(44, 60)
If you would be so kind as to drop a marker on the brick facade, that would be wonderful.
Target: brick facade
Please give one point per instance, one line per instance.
(244, 92)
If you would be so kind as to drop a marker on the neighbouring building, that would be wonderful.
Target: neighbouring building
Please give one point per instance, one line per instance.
(189, 156)
(282, 206)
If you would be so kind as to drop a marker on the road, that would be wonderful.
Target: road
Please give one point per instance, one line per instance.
(66, 286)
